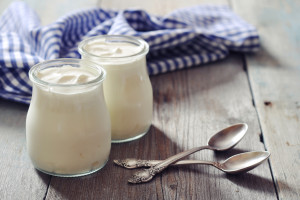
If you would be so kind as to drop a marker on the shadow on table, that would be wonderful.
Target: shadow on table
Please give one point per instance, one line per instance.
(154, 145)
(111, 181)
(44, 177)
(256, 182)
(252, 182)
(246, 180)
(223, 155)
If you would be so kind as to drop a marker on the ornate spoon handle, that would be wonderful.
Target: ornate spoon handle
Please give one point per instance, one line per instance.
(132, 163)
(164, 164)
(147, 174)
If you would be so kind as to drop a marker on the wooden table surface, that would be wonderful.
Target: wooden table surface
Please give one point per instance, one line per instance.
(261, 89)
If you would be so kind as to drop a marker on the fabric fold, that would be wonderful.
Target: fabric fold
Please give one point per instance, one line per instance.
(184, 38)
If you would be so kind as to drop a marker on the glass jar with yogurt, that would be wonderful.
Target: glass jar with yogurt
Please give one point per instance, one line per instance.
(68, 129)
(127, 88)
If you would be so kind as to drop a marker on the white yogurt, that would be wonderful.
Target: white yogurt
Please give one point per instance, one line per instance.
(67, 125)
(66, 75)
(113, 49)
(127, 88)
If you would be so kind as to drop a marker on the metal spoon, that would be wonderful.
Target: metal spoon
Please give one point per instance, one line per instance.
(243, 158)
(223, 140)
(240, 160)
(239, 163)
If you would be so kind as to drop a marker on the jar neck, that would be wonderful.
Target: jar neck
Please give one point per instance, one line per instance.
(58, 64)
(89, 47)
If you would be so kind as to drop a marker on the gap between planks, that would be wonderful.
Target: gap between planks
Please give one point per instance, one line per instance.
(245, 66)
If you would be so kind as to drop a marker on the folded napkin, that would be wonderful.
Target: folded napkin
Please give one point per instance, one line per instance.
(184, 38)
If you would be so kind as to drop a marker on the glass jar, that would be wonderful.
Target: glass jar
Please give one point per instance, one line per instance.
(68, 126)
(127, 88)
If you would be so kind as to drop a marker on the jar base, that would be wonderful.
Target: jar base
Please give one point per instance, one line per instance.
(132, 138)
(72, 175)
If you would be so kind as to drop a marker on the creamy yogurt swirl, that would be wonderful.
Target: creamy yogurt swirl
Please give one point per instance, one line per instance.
(112, 49)
(66, 75)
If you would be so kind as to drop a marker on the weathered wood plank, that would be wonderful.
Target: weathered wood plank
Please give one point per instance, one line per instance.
(51, 10)
(18, 178)
(156, 6)
(3, 5)
(189, 106)
(275, 79)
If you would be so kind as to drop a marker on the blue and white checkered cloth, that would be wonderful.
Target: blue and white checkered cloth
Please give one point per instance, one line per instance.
(186, 37)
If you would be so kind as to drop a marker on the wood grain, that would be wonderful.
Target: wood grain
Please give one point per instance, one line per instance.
(3, 5)
(157, 7)
(275, 79)
(18, 178)
(190, 106)
(50, 10)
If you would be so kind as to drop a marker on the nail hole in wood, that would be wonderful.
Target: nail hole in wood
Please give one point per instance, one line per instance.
(268, 103)
(261, 138)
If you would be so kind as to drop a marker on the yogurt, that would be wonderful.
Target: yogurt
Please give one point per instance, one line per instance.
(103, 48)
(127, 88)
(68, 127)
(66, 75)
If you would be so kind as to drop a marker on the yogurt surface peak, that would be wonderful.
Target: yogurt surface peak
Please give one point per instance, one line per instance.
(103, 48)
(66, 75)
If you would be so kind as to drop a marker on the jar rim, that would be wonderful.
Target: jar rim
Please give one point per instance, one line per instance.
(66, 61)
(121, 38)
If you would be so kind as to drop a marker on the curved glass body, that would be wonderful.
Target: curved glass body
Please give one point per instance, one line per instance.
(68, 126)
(127, 88)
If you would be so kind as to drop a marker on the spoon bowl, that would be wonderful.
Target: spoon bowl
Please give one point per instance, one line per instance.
(228, 138)
(243, 162)
(223, 140)
(239, 163)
